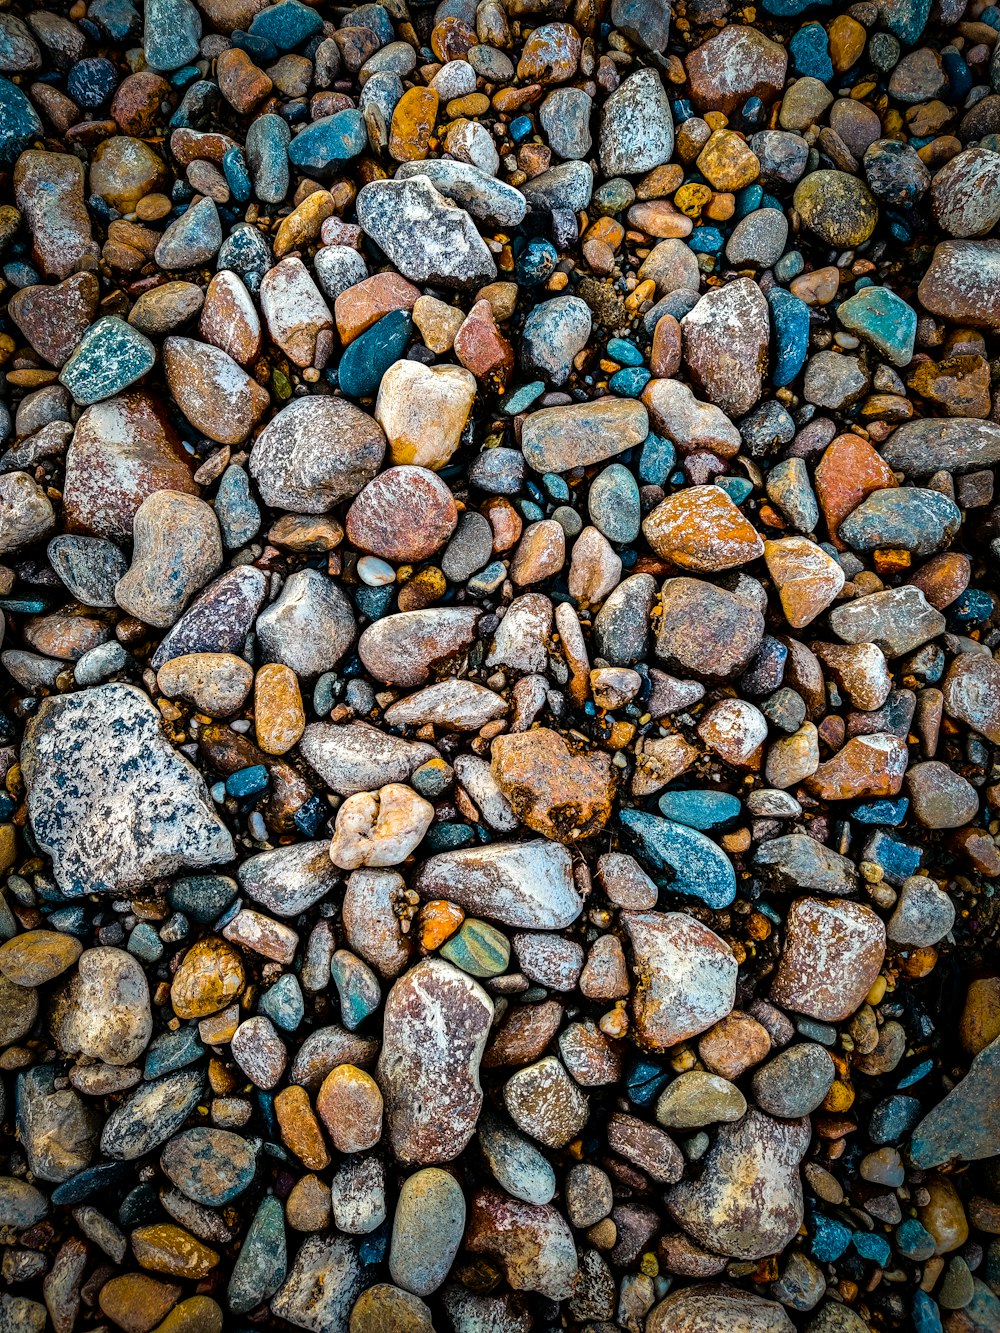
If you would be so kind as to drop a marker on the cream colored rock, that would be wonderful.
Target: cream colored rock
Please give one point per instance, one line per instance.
(177, 550)
(380, 828)
(294, 310)
(807, 579)
(438, 322)
(595, 568)
(423, 411)
(216, 683)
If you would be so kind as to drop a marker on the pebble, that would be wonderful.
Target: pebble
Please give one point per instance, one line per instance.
(832, 956)
(686, 977)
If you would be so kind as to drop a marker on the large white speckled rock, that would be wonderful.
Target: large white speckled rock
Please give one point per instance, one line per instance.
(685, 977)
(110, 801)
(426, 236)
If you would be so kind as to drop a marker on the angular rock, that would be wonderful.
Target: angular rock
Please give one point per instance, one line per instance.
(528, 885)
(833, 952)
(426, 236)
(554, 790)
(685, 977)
(726, 338)
(700, 528)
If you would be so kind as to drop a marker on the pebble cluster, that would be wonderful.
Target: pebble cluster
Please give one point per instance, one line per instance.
(500, 818)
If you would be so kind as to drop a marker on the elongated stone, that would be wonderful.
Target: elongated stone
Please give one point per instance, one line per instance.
(528, 885)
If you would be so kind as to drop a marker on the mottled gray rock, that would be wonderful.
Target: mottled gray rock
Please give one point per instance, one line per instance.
(310, 627)
(109, 800)
(427, 1230)
(151, 1115)
(104, 1012)
(492, 201)
(354, 757)
(426, 235)
(637, 128)
(798, 862)
(528, 885)
(708, 1309)
(324, 1282)
(554, 332)
(315, 452)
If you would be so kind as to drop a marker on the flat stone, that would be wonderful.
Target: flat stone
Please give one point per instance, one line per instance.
(355, 758)
(55, 318)
(527, 885)
(545, 1103)
(807, 578)
(833, 952)
(736, 63)
(322, 1286)
(109, 358)
(214, 393)
(972, 693)
(704, 1309)
(403, 649)
(556, 439)
(705, 630)
(294, 310)
(961, 283)
(897, 620)
(436, 1023)
(109, 739)
(963, 1126)
(293, 474)
(960, 444)
(700, 868)
(797, 861)
(795, 1082)
(685, 977)
(492, 201)
(405, 514)
(426, 1230)
(219, 618)
(902, 518)
(26, 513)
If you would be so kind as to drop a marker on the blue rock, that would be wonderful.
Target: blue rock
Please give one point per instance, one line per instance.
(918, 1072)
(262, 1262)
(613, 504)
(266, 151)
(882, 318)
(893, 1118)
(447, 837)
(964, 1126)
(246, 252)
(171, 36)
(145, 943)
(706, 241)
(327, 142)
(884, 810)
(236, 509)
(830, 1239)
(748, 201)
(93, 1181)
(790, 318)
(211, 1166)
(630, 382)
(973, 607)
(645, 1082)
(234, 168)
(700, 809)
(701, 868)
(357, 986)
(287, 25)
(906, 19)
(958, 72)
(247, 781)
(624, 352)
(308, 818)
(874, 1246)
(151, 1114)
(899, 860)
(914, 1241)
(202, 897)
(520, 128)
(172, 1050)
(91, 82)
(537, 262)
(119, 19)
(109, 357)
(374, 602)
(519, 400)
(810, 53)
(737, 488)
(377, 18)
(926, 1315)
(369, 356)
(656, 461)
(283, 1004)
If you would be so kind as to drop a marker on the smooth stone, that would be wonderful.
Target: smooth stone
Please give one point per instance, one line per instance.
(120, 762)
(177, 549)
(960, 282)
(292, 474)
(219, 618)
(423, 411)
(637, 128)
(795, 1082)
(699, 528)
(104, 1012)
(958, 445)
(324, 144)
(20, 125)
(192, 239)
(833, 952)
(289, 880)
(532, 1244)
(884, 319)
(324, 1281)
(310, 626)
(697, 1098)
(210, 1166)
(553, 333)
(685, 977)
(49, 191)
(797, 861)
(151, 1115)
(897, 620)
(517, 1165)
(402, 649)
(545, 1103)
(58, 1130)
(726, 340)
(963, 1126)
(705, 1309)
(26, 512)
(904, 518)
(492, 201)
(214, 393)
(88, 566)
(426, 1230)
(706, 630)
(109, 358)
(436, 1023)
(388, 1309)
(556, 439)
(356, 758)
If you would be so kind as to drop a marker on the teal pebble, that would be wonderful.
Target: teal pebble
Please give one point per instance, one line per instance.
(700, 809)
(369, 356)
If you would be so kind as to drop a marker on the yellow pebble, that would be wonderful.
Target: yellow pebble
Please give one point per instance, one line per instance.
(279, 716)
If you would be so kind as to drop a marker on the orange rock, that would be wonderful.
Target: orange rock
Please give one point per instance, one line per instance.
(279, 716)
(867, 766)
(550, 55)
(665, 358)
(241, 83)
(943, 578)
(300, 1131)
(849, 471)
(350, 1106)
(807, 579)
(561, 793)
(439, 920)
(700, 528)
(482, 348)
(505, 521)
(541, 552)
(367, 301)
(413, 124)
(210, 976)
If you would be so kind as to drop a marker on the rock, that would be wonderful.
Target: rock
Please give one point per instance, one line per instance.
(122, 451)
(104, 1012)
(897, 620)
(109, 738)
(832, 955)
(194, 238)
(515, 1162)
(294, 310)
(310, 627)
(48, 189)
(171, 34)
(380, 828)
(554, 332)
(556, 439)
(359, 758)
(209, 1166)
(293, 474)
(960, 282)
(219, 619)
(57, 1130)
(37, 956)
(151, 1115)
(797, 861)
(402, 649)
(637, 128)
(904, 518)
(705, 630)
(838, 207)
(940, 798)
(962, 444)
(527, 885)
(327, 142)
(924, 914)
(423, 411)
(735, 64)
(965, 193)
(177, 549)
(324, 1282)
(350, 1105)
(210, 976)
(424, 234)
(971, 693)
(685, 977)
(545, 1103)
(884, 319)
(699, 867)
(532, 1244)
(492, 201)
(553, 790)
(213, 392)
(55, 318)
(871, 765)
(436, 1023)
(427, 1230)
(704, 1308)
(19, 122)
(795, 1082)
(726, 339)
(748, 1201)
(289, 880)
(384, 1308)
(697, 1098)
(109, 358)
(26, 513)
(404, 514)
(701, 529)
(963, 1126)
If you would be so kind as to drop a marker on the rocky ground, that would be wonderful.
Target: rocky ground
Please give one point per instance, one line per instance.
(499, 824)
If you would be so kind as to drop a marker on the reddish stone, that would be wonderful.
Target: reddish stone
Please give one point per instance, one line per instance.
(482, 348)
(368, 301)
(849, 471)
